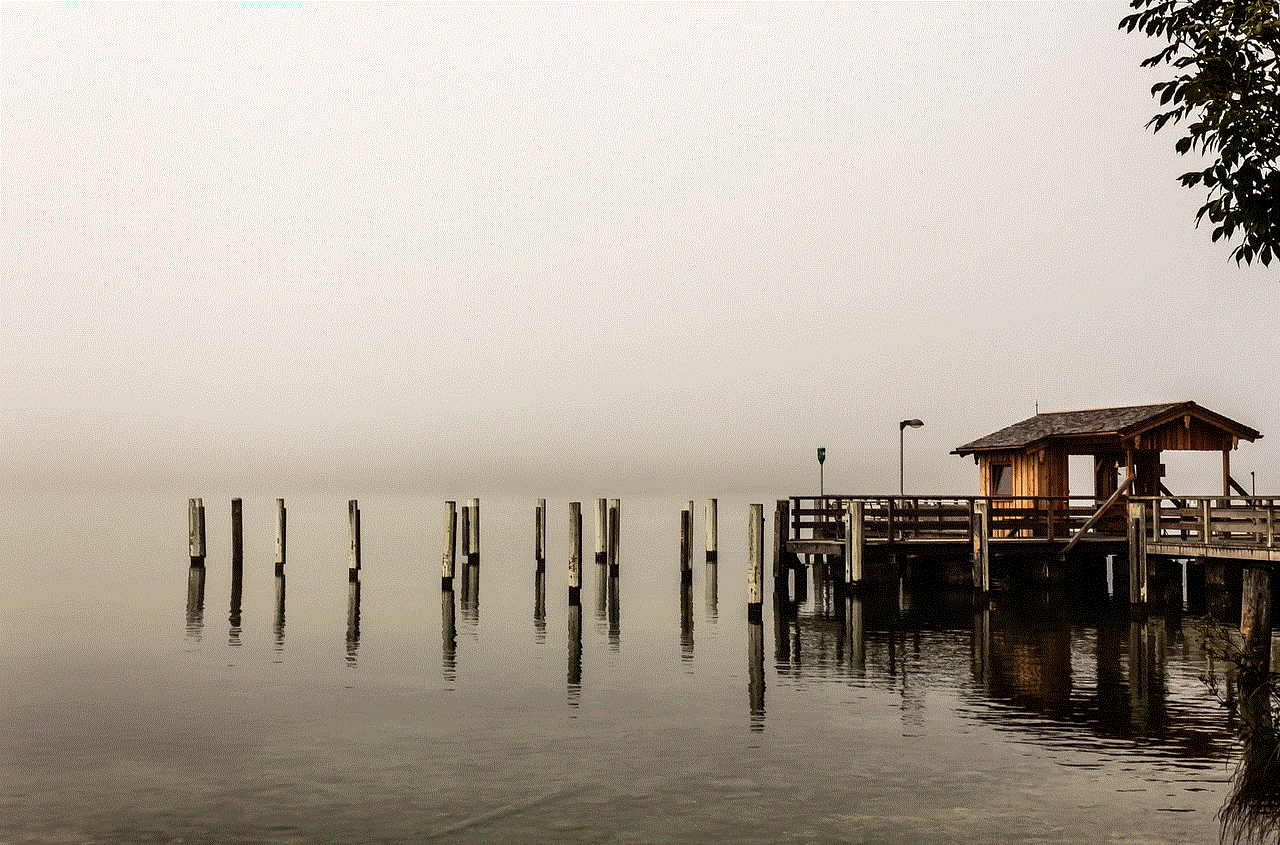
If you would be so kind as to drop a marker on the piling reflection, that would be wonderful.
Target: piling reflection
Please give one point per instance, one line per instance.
(540, 607)
(233, 617)
(573, 691)
(448, 637)
(755, 674)
(195, 603)
(686, 624)
(353, 621)
(278, 628)
(713, 592)
(602, 595)
(471, 594)
(615, 614)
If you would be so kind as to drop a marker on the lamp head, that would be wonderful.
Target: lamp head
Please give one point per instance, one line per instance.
(911, 423)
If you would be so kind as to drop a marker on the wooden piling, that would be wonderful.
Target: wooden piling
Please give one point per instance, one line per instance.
(781, 513)
(281, 543)
(1137, 554)
(540, 535)
(615, 519)
(1255, 623)
(448, 560)
(755, 563)
(466, 531)
(713, 531)
(982, 546)
(854, 544)
(602, 530)
(195, 531)
(237, 531)
(353, 526)
(686, 546)
(575, 552)
(473, 547)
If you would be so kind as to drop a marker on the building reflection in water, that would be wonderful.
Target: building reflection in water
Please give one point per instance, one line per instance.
(353, 621)
(195, 603)
(278, 628)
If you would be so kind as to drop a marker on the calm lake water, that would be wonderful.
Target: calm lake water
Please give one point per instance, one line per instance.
(651, 715)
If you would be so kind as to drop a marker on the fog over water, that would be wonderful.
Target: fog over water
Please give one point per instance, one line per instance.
(542, 248)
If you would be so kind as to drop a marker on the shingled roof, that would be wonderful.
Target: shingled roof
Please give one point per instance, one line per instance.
(1121, 422)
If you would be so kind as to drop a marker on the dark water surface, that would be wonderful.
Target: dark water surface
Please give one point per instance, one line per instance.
(652, 714)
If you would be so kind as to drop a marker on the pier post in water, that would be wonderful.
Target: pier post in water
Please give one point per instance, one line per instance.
(853, 544)
(1255, 624)
(281, 542)
(686, 546)
(575, 552)
(237, 531)
(602, 531)
(982, 546)
(195, 531)
(353, 530)
(540, 536)
(1137, 555)
(448, 561)
(713, 532)
(473, 546)
(755, 563)
(466, 530)
(615, 521)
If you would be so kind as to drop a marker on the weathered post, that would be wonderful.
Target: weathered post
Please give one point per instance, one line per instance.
(465, 546)
(237, 531)
(686, 546)
(982, 546)
(195, 531)
(447, 561)
(781, 565)
(540, 535)
(281, 545)
(1137, 555)
(1255, 624)
(575, 552)
(602, 531)
(853, 543)
(713, 532)
(473, 549)
(755, 563)
(353, 526)
(615, 520)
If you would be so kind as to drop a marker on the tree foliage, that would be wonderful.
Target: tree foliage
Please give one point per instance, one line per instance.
(1226, 94)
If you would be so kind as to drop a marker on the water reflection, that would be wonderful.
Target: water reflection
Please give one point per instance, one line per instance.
(755, 674)
(448, 637)
(353, 621)
(279, 621)
(602, 595)
(195, 603)
(471, 594)
(573, 690)
(615, 613)
(686, 624)
(1252, 809)
(237, 589)
(712, 590)
(540, 606)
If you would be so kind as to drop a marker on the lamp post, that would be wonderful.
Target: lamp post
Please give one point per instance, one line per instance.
(822, 456)
(1253, 483)
(902, 426)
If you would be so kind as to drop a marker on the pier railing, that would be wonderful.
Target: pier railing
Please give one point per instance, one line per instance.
(1251, 521)
(897, 519)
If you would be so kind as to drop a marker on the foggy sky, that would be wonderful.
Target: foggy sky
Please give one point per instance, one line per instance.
(576, 247)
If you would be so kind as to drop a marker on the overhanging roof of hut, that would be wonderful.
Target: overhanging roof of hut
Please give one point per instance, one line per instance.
(1118, 423)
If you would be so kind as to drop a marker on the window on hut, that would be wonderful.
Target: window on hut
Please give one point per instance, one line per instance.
(1001, 479)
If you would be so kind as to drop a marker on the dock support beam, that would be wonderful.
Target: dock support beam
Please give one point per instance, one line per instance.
(982, 546)
(353, 531)
(473, 544)
(1255, 622)
(575, 552)
(195, 531)
(713, 531)
(281, 544)
(686, 545)
(854, 544)
(540, 536)
(1137, 555)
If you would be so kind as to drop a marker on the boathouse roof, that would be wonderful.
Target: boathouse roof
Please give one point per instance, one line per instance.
(1120, 423)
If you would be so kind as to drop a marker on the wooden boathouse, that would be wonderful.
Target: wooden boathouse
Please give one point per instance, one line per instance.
(1026, 512)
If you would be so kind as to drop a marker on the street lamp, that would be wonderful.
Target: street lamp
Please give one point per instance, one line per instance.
(822, 456)
(902, 426)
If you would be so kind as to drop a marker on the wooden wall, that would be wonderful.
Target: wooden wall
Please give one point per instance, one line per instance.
(1040, 473)
(1187, 434)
